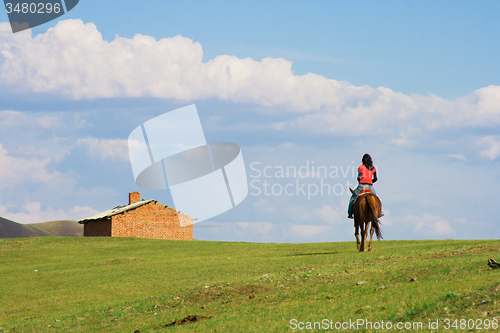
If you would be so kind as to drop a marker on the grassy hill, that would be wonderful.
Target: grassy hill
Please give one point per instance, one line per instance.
(11, 229)
(65, 228)
(68, 228)
(52, 284)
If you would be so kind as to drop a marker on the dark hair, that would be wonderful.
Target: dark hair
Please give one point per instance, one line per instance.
(367, 161)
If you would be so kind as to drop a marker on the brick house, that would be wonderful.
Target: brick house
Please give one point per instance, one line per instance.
(140, 218)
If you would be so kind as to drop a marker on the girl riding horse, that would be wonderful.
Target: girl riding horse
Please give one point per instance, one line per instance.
(367, 175)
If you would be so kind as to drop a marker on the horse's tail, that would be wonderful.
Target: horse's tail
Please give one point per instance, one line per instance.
(372, 203)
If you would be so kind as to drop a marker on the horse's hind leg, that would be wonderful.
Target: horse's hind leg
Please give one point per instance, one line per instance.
(364, 231)
(371, 238)
(356, 234)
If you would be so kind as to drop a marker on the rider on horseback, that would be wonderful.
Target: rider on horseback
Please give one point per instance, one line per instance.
(367, 175)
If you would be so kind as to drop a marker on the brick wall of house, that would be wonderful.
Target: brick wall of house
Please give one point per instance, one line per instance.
(152, 220)
(185, 220)
(97, 228)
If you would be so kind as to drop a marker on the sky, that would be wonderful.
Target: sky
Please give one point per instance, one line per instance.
(298, 86)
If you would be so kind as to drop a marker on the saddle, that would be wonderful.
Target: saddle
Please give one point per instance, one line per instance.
(363, 191)
(366, 191)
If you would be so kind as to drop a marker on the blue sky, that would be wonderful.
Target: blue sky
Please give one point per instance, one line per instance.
(416, 85)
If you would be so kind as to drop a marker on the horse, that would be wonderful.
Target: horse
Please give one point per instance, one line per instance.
(366, 209)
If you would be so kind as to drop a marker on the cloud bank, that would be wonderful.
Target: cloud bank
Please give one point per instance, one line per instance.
(114, 149)
(32, 212)
(16, 170)
(73, 59)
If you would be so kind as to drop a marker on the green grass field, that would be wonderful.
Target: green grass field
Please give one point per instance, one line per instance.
(57, 284)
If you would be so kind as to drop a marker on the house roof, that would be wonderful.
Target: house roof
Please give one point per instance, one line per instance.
(116, 210)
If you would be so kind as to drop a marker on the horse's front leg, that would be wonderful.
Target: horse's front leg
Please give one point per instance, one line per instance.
(371, 238)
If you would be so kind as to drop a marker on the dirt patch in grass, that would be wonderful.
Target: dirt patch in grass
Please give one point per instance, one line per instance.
(311, 254)
(186, 320)
(119, 261)
(249, 289)
(481, 303)
(226, 291)
(484, 301)
(464, 251)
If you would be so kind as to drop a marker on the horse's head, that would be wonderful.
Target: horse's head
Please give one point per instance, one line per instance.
(350, 189)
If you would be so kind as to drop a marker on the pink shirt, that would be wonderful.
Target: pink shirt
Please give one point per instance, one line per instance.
(366, 175)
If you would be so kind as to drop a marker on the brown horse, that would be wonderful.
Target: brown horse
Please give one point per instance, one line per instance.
(366, 209)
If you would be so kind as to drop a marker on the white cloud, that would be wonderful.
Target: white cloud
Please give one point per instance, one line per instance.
(387, 219)
(330, 214)
(74, 60)
(459, 157)
(404, 140)
(114, 149)
(402, 116)
(299, 213)
(17, 170)
(308, 231)
(271, 231)
(491, 145)
(429, 224)
(263, 205)
(264, 229)
(14, 119)
(32, 213)
(46, 136)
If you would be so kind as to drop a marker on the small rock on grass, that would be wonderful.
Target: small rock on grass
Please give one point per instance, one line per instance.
(413, 279)
(361, 282)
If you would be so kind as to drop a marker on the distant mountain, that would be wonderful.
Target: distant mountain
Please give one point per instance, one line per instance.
(67, 228)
